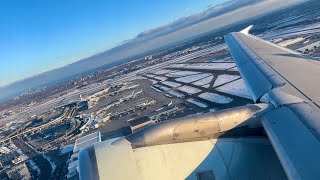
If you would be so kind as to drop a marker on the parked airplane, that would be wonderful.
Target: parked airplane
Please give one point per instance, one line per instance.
(276, 138)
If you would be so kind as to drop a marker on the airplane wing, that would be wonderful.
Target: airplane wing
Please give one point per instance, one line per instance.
(289, 81)
(224, 144)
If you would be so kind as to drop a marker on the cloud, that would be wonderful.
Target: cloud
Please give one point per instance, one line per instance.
(183, 22)
(183, 29)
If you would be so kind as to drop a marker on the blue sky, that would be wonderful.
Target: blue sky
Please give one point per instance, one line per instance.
(38, 35)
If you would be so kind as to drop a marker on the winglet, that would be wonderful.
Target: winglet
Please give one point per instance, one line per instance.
(246, 30)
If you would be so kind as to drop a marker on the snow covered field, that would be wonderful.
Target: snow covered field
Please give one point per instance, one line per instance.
(164, 88)
(181, 73)
(189, 90)
(192, 78)
(237, 88)
(230, 83)
(206, 86)
(290, 41)
(160, 78)
(150, 75)
(4, 150)
(178, 65)
(216, 98)
(163, 71)
(156, 89)
(171, 84)
(153, 81)
(233, 69)
(224, 79)
(210, 66)
(176, 94)
(196, 102)
(203, 81)
(290, 32)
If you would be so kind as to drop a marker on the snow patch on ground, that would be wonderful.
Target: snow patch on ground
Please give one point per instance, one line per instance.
(156, 89)
(176, 94)
(210, 66)
(153, 81)
(150, 75)
(4, 150)
(171, 84)
(163, 71)
(164, 88)
(216, 98)
(237, 88)
(206, 86)
(291, 41)
(224, 79)
(160, 78)
(203, 81)
(189, 90)
(196, 102)
(189, 79)
(181, 73)
(223, 60)
(234, 69)
(177, 65)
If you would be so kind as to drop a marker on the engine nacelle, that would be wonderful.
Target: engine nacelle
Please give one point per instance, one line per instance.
(229, 122)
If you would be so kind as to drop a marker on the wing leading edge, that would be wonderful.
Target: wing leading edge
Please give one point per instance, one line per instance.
(288, 80)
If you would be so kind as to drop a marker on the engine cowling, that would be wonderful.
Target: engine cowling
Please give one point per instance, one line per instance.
(234, 121)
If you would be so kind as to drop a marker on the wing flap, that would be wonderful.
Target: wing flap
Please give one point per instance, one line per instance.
(296, 146)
